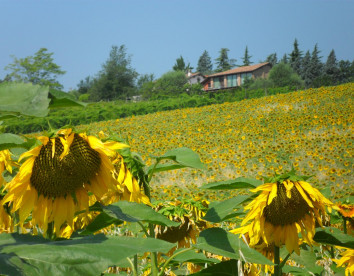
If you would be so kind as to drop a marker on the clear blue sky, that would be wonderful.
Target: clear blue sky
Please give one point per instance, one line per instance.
(81, 33)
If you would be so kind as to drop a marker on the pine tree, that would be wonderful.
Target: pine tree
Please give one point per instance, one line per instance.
(180, 65)
(285, 59)
(305, 69)
(223, 63)
(246, 58)
(295, 58)
(315, 67)
(272, 59)
(205, 65)
(331, 70)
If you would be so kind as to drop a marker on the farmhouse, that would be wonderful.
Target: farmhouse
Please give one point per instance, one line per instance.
(195, 77)
(235, 77)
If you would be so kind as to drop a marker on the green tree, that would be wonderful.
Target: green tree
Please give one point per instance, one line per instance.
(296, 58)
(145, 78)
(85, 85)
(171, 83)
(285, 59)
(223, 63)
(246, 58)
(346, 71)
(283, 75)
(38, 69)
(272, 59)
(180, 65)
(205, 66)
(117, 78)
(316, 67)
(331, 70)
(305, 71)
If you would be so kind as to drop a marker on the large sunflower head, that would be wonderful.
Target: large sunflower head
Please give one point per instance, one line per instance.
(54, 182)
(286, 205)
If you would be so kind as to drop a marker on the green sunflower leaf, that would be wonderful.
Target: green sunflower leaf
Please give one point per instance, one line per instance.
(220, 242)
(228, 268)
(33, 255)
(101, 221)
(333, 236)
(307, 259)
(238, 183)
(134, 212)
(9, 140)
(192, 257)
(62, 99)
(184, 157)
(224, 210)
(23, 99)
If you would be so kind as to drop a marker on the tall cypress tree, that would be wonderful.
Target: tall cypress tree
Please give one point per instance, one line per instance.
(223, 63)
(296, 58)
(331, 70)
(246, 58)
(305, 69)
(205, 66)
(284, 59)
(315, 66)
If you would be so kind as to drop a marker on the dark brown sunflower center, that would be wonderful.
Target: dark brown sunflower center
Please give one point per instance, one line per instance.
(53, 177)
(283, 210)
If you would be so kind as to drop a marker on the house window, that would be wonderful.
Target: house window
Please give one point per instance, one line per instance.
(231, 81)
(244, 76)
(216, 83)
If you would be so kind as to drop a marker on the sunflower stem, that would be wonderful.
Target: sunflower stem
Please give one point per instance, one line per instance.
(132, 266)
(277, 268)
(136, 263)
(171, 258)
(153, 255)
(344, 225)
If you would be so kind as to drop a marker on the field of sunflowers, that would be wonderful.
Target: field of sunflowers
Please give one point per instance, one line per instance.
(257, 187)
(309, 130)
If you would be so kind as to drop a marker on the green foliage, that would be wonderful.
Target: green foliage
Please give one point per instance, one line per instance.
(296, 58)
(227, 268)
(223, 63)
(205, 66)
(272, 59)
(238, 183)
(116, 80)
(91, 255)
(38, 69)
(23, 99)
(221, 211)
(104, 111)
(221, 242)
(283, 75)
(246, 58)
(180, 65)
(84, 97)
(333, 236)
(170, 83)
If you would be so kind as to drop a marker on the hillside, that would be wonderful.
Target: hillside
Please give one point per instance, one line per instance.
(310, 130)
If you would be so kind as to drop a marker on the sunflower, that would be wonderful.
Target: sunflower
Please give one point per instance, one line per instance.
(5, 164)
(347, 258)
(54, 182)
(346, 210)
(286, 206)
(127, 184)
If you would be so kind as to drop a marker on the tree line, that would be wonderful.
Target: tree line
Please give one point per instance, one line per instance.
(117, 79)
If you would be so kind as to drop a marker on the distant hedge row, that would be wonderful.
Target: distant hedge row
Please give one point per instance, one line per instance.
(104, 111)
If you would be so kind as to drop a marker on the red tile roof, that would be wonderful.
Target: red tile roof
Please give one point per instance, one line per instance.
(242, 69)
